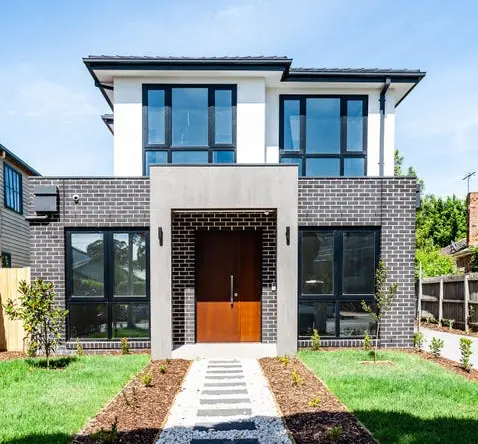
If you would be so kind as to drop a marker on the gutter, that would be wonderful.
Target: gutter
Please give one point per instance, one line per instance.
(381, 162)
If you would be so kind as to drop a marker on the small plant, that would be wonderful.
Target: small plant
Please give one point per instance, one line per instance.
(130, 402)
(436, 344)
(284, 360)
(418, 341)
(314, 402)
(163, 369)
(79, 349)
(42, 318)
(449, 322)
(168, 361)
(367, 342)
(107, 436)
(315, 340)
(124, 346)
(147, 379)
(465, 349)
(296, 378)
(335, 433)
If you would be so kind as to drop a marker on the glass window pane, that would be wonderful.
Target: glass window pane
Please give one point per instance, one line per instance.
(190, 116)
(291, 125)
(354, 125)
(156, 125)
(354, 166)
(190, 156)
(316, 315)
(358, 263)
(323, 166)
(223, 116)
(87, 272)
(317, 263)
(87, 321)
(223, 157)
(354, 321)
(322, 126)
(296, 160)
(155, 158)
(130, 321)
(129, 264)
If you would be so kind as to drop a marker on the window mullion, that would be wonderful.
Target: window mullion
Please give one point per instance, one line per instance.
(302, 120)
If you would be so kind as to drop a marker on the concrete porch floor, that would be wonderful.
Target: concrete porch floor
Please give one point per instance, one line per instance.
(225, 350)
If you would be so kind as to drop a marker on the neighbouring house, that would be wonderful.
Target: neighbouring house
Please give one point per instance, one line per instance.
(250, 203)
(14, 199)
(463, 251)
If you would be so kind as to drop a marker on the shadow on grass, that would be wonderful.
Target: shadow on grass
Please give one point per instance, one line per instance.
(58, 362)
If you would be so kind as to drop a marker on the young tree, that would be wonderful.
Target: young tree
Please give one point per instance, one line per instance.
(384, 297)
(42, 320)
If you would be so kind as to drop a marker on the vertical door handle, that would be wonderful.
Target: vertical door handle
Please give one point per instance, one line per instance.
(232, 289)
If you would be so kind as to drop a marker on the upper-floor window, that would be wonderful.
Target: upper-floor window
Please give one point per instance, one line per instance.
(13, 189)
(189, 124)
(324, 135)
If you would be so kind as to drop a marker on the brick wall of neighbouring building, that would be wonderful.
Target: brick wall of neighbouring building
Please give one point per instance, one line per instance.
(388, 203)
(472, 235)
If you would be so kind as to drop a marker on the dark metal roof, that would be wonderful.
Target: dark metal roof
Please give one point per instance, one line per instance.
(19, 161)
(247, 59)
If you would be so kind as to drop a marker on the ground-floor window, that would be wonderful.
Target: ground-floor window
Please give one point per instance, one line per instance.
(6, 260)
(336, 272)
(107, 284)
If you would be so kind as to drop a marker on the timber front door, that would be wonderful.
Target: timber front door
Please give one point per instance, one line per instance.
(228, 286)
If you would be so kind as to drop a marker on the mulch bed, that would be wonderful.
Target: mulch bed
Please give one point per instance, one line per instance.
(140, 411)
(7, 355)
(454, 331)
(311, 424)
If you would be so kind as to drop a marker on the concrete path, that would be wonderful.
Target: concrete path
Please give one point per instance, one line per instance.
(224, 401)
(451, 348)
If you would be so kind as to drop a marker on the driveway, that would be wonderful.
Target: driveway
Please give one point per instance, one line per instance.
(451, 348)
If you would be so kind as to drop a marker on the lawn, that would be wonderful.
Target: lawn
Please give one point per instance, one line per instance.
(50, 406)
(412, 402)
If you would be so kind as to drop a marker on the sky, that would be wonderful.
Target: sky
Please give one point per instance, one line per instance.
(50, 110)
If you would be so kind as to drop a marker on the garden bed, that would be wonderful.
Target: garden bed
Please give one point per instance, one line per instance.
(309, 424)
(139, 411)
(8, 355)
(454, 331)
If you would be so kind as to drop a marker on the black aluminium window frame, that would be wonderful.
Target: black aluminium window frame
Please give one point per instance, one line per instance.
(13, 171)
(337, 297)
(108, 278)
(6, 254)
(167, 146)
(343, 154)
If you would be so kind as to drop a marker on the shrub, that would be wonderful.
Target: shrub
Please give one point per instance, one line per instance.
(335, 433)
(284, 360)
(449, 323)
(163, 369)
(42, 318)
(124, 346)
(418, 340)
(436, 344)
(314, 402)
(79, 349)
(296, 379)
(465, 349)
(315, 340)
(367, 342)
(147, 379)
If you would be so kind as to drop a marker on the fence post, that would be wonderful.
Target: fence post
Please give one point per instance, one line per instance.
(440, 302)
(467, 300)
(420, 294)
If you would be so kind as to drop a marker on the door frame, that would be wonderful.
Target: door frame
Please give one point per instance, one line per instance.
(261, 235)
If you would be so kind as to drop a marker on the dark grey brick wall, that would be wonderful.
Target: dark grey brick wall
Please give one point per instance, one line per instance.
(184, 226)
(104, 202)
(388, 203)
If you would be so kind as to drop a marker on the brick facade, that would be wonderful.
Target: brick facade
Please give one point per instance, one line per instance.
(184, 226)
(388, 203)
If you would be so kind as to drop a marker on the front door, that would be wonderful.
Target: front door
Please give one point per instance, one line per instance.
(228, 286)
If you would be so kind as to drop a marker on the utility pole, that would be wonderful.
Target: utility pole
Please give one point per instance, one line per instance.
(467, 178)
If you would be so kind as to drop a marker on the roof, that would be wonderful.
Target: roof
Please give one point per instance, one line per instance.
(455, 247)
(15, 159)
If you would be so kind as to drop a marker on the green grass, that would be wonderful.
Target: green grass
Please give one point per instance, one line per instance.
(413, 402)
(49, 406)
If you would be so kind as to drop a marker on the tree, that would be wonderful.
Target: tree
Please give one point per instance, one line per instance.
(42, 319)
(384, 297)
(398, 170)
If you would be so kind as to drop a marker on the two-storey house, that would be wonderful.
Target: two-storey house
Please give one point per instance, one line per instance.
(250, 204)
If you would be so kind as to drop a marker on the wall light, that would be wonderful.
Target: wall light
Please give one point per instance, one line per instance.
(287, 235)
(160, 236)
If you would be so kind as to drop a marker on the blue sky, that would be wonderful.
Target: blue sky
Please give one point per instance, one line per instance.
(50, 109)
